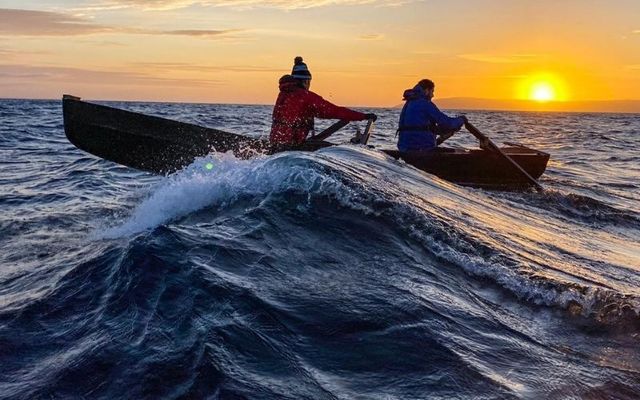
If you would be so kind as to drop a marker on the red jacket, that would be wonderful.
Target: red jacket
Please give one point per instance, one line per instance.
(294, 112)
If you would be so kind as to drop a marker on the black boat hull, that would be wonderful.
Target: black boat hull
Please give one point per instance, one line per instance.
(481, 168)
(162, 146)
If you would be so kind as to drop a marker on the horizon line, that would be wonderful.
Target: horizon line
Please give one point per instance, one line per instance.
(517, 101)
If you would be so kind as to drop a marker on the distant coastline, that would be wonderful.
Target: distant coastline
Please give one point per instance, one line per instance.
(604, 106)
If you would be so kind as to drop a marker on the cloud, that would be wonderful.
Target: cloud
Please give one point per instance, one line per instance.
(374, 36)
(239, 4)
(285, 4)
(498, 59)
(14, 74)
(158, 5)
(424, 52)
(397, 3)
(7, 54)
(195, 32)
(204, 68)
(104, 43)
(44, 23)
(17, 22)
(202, 33)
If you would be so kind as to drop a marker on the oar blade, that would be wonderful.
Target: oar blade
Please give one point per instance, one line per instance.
(367, 132)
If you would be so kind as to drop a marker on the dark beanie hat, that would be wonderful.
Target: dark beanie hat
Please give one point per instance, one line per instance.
(300, 70)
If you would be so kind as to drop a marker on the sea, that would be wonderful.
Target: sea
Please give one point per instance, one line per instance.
(338, 274)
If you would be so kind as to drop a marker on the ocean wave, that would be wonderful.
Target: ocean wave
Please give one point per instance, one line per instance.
(586, 209)
(301, 180)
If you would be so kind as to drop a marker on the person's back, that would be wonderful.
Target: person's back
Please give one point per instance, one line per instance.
(290, 121)
(297, 106)
(421, 120)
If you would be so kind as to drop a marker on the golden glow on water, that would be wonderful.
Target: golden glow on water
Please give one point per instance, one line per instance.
(540, 242)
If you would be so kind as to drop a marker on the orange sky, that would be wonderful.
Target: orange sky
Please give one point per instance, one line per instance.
(361, 52)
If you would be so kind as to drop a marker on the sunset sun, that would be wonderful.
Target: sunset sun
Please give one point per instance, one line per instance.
(542, 87)
(542, 91)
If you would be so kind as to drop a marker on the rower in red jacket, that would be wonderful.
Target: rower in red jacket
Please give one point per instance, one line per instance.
(297, 106)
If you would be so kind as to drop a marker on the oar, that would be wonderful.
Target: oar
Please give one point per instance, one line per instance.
(330, 130)
(444, 137)
(484, 139)
(367, 132)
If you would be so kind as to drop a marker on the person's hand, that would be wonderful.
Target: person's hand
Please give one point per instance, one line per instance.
(464, 118)
(371, 116)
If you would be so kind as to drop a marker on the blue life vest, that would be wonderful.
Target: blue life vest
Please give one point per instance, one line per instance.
(420, 119)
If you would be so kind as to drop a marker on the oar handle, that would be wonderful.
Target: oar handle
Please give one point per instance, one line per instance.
(479, 135)
(330, 130)
(484, 140)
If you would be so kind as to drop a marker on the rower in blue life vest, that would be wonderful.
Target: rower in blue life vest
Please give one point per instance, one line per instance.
(421, 121)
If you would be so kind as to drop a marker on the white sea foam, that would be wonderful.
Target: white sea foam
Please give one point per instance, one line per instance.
(221, 178)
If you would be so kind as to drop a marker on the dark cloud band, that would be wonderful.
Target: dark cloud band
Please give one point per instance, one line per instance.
(15, 22)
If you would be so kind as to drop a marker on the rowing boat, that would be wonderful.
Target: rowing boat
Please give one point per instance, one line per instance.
(162, 146)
